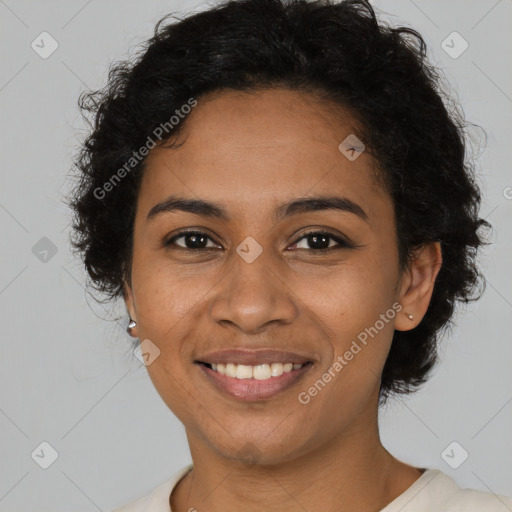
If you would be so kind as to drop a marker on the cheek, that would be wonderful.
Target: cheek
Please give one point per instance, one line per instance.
(357, 303)
(167, 308)
(164, 294)
(355, 294)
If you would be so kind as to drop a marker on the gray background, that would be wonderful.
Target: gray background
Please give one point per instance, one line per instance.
(68, 377)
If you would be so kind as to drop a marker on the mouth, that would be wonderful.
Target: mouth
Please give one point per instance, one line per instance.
(253, 376)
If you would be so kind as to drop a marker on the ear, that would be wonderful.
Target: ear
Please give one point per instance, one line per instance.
(130, 307)
(417, 285)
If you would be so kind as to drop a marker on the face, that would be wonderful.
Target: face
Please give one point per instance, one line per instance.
(260, 274)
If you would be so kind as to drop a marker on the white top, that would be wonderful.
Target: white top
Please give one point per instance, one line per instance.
(434, 491)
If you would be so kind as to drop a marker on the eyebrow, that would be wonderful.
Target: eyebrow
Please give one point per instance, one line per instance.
(294, 207)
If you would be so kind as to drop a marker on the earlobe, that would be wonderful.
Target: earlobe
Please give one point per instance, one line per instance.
(418, 285)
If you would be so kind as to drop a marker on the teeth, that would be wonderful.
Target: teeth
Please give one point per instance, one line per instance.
(243, 371)
(230, 370)
(276, 369)
(258, 372)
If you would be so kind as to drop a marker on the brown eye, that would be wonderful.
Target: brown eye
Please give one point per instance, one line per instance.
(319, 241)
(193, 240)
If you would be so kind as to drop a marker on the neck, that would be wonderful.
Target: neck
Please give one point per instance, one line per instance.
(353, 468)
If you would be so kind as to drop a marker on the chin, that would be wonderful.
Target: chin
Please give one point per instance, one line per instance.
(262, 450)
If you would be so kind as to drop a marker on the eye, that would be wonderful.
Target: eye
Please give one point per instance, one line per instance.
(193, 240)
(320, 241)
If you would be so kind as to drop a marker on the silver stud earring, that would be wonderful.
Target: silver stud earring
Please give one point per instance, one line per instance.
(131, 325)
(409, 316)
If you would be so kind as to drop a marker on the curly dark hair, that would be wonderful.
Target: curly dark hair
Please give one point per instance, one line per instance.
(338, 51)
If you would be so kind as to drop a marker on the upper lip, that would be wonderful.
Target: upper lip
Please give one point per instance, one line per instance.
(253, 357)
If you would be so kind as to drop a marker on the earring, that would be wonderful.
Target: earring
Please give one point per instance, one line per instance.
(131, 325)
(409, 316)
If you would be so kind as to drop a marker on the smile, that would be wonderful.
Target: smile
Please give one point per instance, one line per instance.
(253, 383)
(259, 372)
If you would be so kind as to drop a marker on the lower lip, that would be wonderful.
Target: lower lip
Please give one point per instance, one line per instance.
(253, 389)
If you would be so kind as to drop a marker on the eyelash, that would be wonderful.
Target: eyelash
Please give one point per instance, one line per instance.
(341, 243)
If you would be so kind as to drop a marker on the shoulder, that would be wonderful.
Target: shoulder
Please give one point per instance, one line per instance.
(435, 491)
(158, 499)
(468, 500)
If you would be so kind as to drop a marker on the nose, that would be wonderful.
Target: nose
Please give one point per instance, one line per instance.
(253, 295)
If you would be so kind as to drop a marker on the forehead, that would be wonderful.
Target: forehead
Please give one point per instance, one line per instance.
(255, 149)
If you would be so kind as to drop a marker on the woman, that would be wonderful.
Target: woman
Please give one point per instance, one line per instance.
(280, 196)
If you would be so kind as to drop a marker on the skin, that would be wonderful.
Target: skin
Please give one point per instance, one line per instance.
(251, 152)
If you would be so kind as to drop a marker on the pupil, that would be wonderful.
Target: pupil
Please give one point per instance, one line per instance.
(314, 240)
(194, 239)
